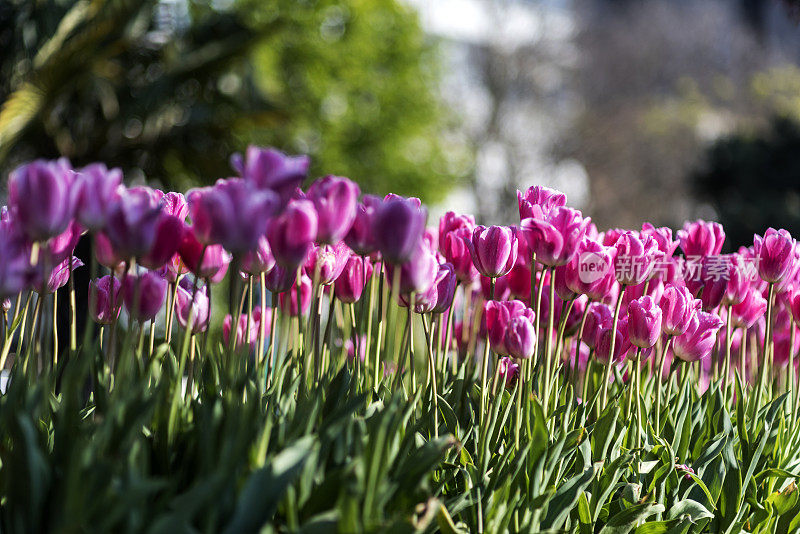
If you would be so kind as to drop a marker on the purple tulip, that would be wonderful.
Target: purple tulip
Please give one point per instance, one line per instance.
(279, 279)
(232, 213)
(144, 295)
(288, 299)
(493, 249)
(41, 196)
(57, 277)
(15, 272)
(699, 339)
(359, 237)
(350, 284)
(105, 253)
(775, 253)
(635, 257)
(455, 247)
(292, 233)
(750, 310)
(97, 189)
(439, 297)
(538, 201)
(105, 300)
(209, 261)
(663, 238)
(591, 270)
(191, 305)
(267, 168)
(169, 232)
(560, 281)
(326, 262)
(679, 307)
(644, 322)
(520, 338)
(335, 198)
(397, 228)
(417, 274)
(132, 221)
(518, 280)
(555, 239)
(701, 238)
(259, 260)
(508, 370)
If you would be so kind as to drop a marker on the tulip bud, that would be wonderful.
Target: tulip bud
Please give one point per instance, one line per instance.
(644, 322)
(397, 228)
(40, 195)
(144, 295)
(205, 261)
(279, 279)
(439, 296)
(603, 343)
(417, 274)
(493, 249)
(451, 222)
(259, 260)
(97, 189)
(191, 305)
(750, 310)
(350, 284)
(598, 318)
(455, 248)
(634, 258)
(699, 339)
(359, 237)
(508, 370)
(57, 277)
(556, 238)
(105, 300)
(292, 233)
(590, 272)
(242, 334)
(775, 253)
(335, 199)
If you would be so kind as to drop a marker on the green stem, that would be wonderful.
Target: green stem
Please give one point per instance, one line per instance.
(610, 362)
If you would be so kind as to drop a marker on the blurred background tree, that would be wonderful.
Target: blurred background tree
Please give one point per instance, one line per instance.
(168, 89)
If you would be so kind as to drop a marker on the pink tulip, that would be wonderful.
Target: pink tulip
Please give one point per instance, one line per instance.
(644, 322)
(519, 281)
(279, 279)
(520, 337)
(191, 305)
(259, 260)
(495, 320)
(209, 262)
(326, 262)
(591, 270)
(663, 238)
(57, 277)
(455, 248)
(132, 222)
(679, 307)
(169, 232)
(288, 299)
(555, 240)
(750, 310)
(352, 281)
(359, 237)
(538, 201)
(775, 253)
(508, 371)
(701, 238)
(603, 343)
(634, 258)
(439, 297)
(417, 274)
(699, 339)
(450, 222)
(243, 335)
(598, 318)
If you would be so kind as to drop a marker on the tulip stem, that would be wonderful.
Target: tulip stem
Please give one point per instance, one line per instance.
(767, 347)
(610, 362)
(73, 322)
(273, 339)
(658, 379)
(55, 329)
(726, 366)
(448, 339)
(573, 371)
(381, 320)
(411, 358)
(250, 313)
(485, 364)
(432, 365)
(548, 345)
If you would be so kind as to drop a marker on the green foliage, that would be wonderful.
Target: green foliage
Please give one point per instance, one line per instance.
(104, 80)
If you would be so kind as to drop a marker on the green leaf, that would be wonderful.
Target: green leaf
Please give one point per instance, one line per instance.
(626, 520)
(693, 509)
(566, 496)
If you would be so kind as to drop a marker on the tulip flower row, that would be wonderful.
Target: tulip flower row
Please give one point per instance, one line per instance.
(540, 305)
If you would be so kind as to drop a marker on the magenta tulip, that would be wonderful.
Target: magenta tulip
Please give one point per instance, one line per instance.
(132, 221)
(662, 237)
(556, 238)
(288, 299)
(417, 274)
(750, 310)
(243, 335)
(455, 248)
(259, 260)
(439, 297)
(497, 315)
(105, 299)
(326, 262)
(359, 237)
(701, 238)
(508, 371)
(350, 284)
(634, 258)
(644, 322)
(775, 254)
(591, 270)
(57, 277)
(538, 201)
(679, 307)
(520, 338)
(267, 168)
(493, 249)
(450, 222)
(598, 318)
(335, 198)
(280, 279)
(603, 343)
(292, 233)
(169, 232)
(209, 261)
(699, 339)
